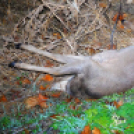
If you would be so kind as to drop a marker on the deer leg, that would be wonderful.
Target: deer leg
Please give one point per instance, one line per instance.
(56, 71)
(56, 57)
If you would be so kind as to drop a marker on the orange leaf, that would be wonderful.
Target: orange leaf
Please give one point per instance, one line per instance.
(26, 81)
(42, 98)
(49, 64)
(96, 131)
(114, 47)
(109, 47)
(56, 95)
(31, 102)
(54, 116)
(3, 98)
(104, 5)
(115, 17)
(44, 88)
(68, 100)
(43, 104)
(121, 16)
(125, 15)
(118, 104)
(87, 130)
(120, 25)
(117, 132)
(77, 100)
(57, 35)
(92, 51)
(47, 77)
(72, 107)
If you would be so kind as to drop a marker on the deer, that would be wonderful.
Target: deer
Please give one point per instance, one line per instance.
(102, 74)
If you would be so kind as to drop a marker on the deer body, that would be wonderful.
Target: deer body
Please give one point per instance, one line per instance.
(94, 76)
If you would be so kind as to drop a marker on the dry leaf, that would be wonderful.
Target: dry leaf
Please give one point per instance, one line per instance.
(49, 64)
(42, 98)
(43, 104)
(68, 99)
(117, 132)
(109, 47)
(44, 88)
(118, 104)
(104, 5)
(96, 131)
(54, 116)
(57, 35)
(26, 81)
(121, 17)
(120, 25)
(47, 77)
(31, 102)
(87, 130)
(3, 98)
(72, 107)
(26, 131)
(77, 100)
(56, 95)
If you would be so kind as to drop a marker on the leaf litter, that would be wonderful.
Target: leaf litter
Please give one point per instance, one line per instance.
(65, 27)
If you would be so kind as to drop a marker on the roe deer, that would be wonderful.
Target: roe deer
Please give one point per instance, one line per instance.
(94, 76)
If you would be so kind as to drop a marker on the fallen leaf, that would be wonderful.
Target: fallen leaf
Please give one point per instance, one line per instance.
(72, 107)
(121, 16)
(47, 77)
(57, 35)
(117, 132)
(42, 98)
(56, 95)
(31, 102)
(49, 64)
(87, 130)
(96, 131)
(3, 98)
(44, 88)
(43, 104)
(68, 99)
(109, 47)
(54, 116)
(118, 104)
(104, 5)
(26, 81)
(120, 25)
(26, 131)
(77, 100)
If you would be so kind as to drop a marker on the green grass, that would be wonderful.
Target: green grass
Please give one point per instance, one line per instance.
(104, 116)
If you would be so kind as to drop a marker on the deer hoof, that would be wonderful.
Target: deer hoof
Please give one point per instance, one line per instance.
(12, 64)
(18, 46)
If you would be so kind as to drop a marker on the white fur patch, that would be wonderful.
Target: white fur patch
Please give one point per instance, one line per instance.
(61, 85)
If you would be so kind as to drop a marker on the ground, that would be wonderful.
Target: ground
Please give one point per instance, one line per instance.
(56, 26)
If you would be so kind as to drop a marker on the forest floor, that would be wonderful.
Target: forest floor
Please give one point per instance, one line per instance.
(63, 27)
